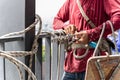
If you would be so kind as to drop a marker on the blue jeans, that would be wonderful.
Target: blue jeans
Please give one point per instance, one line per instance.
(73, 76)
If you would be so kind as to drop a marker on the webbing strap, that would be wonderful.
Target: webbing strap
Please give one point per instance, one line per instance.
(84, 15)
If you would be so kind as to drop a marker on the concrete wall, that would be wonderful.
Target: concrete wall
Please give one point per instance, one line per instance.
(12, 19)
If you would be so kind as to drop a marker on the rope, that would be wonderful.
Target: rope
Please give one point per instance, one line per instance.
(11, 54)
(113, 34)
(15, 61)
(23, 31)
(58, 35)
(99, 40)
(84, 14)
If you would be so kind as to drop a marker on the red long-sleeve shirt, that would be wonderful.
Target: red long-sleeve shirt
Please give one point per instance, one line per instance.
(99, 11)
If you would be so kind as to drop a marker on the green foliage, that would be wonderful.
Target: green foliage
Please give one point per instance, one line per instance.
(43, 53)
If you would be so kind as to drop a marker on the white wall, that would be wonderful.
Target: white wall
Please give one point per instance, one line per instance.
(47, 9)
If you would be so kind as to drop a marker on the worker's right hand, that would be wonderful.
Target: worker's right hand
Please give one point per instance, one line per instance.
(70, 29)
(82, 37)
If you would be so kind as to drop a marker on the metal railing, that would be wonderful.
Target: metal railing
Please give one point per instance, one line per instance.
(48, 60)
(53, 54)
(3, 41)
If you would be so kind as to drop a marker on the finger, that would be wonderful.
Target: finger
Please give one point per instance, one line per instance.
(66, 31)
(69, 30)
(72, 29)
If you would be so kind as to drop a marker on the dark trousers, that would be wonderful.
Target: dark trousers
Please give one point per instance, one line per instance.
(73, 76)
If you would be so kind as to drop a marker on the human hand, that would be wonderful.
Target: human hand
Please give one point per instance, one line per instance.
(82, 37)
(70, 29)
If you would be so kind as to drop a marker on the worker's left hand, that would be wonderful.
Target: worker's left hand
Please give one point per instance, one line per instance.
(82, 37)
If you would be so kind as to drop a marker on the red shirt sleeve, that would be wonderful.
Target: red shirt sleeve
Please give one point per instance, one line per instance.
(112, 9)
(62, 16)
